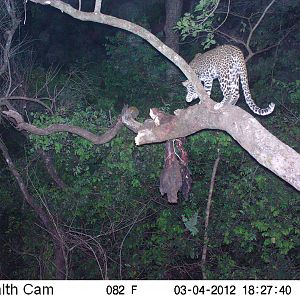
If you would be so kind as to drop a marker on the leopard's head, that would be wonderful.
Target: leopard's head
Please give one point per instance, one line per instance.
(191, 93)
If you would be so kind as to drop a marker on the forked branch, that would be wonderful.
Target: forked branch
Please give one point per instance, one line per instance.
(43, 213)
(101, 18)
(247, 43)
(264, 147)
(8, 35)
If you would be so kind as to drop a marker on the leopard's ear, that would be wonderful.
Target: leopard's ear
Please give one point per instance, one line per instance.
(185, 83)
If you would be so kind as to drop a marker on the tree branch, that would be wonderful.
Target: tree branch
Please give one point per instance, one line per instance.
(272, 46)
(264, 147)
(207, 213)
(42, 213)
(98, 4)
(55, 128)
(258, 22)
(4, 100)
(9, 35)
(137, 30)
(51, 169)
(246, 44)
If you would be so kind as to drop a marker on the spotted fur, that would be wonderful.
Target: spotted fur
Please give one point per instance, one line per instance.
(225, 63)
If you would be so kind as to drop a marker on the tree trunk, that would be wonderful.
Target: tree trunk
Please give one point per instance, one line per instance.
(173, 13)
(60, 262)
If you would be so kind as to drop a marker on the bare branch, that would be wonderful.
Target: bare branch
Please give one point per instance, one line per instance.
(14, 23)
(4, 100)
(22, 186)
(207, 213)
(246, 44)
(55, 128)
(272, 46)
(258, 22)
(98, 4)
(137, 30)
(42, 213)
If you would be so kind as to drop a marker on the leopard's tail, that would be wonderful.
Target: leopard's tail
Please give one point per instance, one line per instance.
(245, 85)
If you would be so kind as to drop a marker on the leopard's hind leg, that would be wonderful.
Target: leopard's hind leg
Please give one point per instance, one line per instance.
(225, 87)
(235, 89)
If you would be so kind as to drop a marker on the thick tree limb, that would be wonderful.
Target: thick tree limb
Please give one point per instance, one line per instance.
(264, 147)
(246, 130)
(101, 18)
(173, 12)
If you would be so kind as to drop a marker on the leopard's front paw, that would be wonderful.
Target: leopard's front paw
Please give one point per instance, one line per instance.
(218, 106)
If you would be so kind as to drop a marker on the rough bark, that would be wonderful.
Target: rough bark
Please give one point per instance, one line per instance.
(245, 129)
(60, 261)
(173, 13)
(264, 147)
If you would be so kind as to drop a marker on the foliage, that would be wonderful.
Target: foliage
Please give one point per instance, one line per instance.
(133, 69)
(252, 227)
(199, 21)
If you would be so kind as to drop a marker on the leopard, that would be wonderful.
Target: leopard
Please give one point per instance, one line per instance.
(227, 64)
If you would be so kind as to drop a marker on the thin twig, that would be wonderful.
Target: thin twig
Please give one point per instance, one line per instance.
(246, 44)
(258, 22)
(10, 98)
(207, 213)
